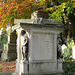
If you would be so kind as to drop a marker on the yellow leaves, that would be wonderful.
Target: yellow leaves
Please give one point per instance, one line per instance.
(38, 3)
(41, 2)
(2, 25)
(62, 6)
(2, 16)
(0, 8)
(16, 8)
(1, 0)
(31, 0)
(50, 9)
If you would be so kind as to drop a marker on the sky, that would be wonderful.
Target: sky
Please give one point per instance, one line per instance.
(1, 30)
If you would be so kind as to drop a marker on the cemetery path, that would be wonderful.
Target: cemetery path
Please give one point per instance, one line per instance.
(6, 68)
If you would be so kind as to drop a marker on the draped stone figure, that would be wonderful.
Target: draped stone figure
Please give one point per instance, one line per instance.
(59, 44)
(24, 45)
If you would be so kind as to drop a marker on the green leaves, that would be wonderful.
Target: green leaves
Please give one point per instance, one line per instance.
(69, 68)
(56, 12)
(70, 8)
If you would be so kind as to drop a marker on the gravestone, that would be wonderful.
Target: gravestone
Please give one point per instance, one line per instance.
(42, 45)
(9, 51)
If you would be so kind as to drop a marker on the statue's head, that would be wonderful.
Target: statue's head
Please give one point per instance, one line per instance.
(23, 32)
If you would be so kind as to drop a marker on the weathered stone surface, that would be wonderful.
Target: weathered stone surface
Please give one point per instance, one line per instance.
(10, 48)
(39, 14)
(42, 46)
(12, 37)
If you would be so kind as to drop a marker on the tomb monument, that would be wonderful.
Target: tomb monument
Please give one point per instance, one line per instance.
(37, 45)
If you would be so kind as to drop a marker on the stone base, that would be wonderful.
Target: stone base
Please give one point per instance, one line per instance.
(14, 73)
(38, 68)
(5, 55)
(38, 74)
(9, 52)
(59, 66)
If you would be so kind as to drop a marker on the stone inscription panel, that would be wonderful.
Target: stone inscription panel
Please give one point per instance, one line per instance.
(43, 46)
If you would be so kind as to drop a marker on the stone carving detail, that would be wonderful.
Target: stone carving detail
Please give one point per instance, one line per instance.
(24, 44)
(37, 21)
(59, 44)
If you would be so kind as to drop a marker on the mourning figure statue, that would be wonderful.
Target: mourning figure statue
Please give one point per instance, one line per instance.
(59, 44)
(24, 42)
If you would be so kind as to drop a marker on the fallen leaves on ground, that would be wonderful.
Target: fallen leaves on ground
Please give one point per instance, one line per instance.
(7, 65)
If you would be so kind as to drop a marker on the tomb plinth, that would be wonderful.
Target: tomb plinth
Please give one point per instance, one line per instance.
(42, 46)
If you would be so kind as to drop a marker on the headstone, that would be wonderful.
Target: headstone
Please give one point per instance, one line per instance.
(42, 46)
(9, 51)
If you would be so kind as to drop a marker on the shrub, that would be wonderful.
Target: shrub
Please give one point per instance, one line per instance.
(69, 68)
(67, 54)
(9, 59)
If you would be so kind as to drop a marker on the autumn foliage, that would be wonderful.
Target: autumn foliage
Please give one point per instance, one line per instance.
(14, 9)
(6, 66)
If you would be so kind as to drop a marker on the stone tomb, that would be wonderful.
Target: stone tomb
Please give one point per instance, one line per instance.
(42, 46)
